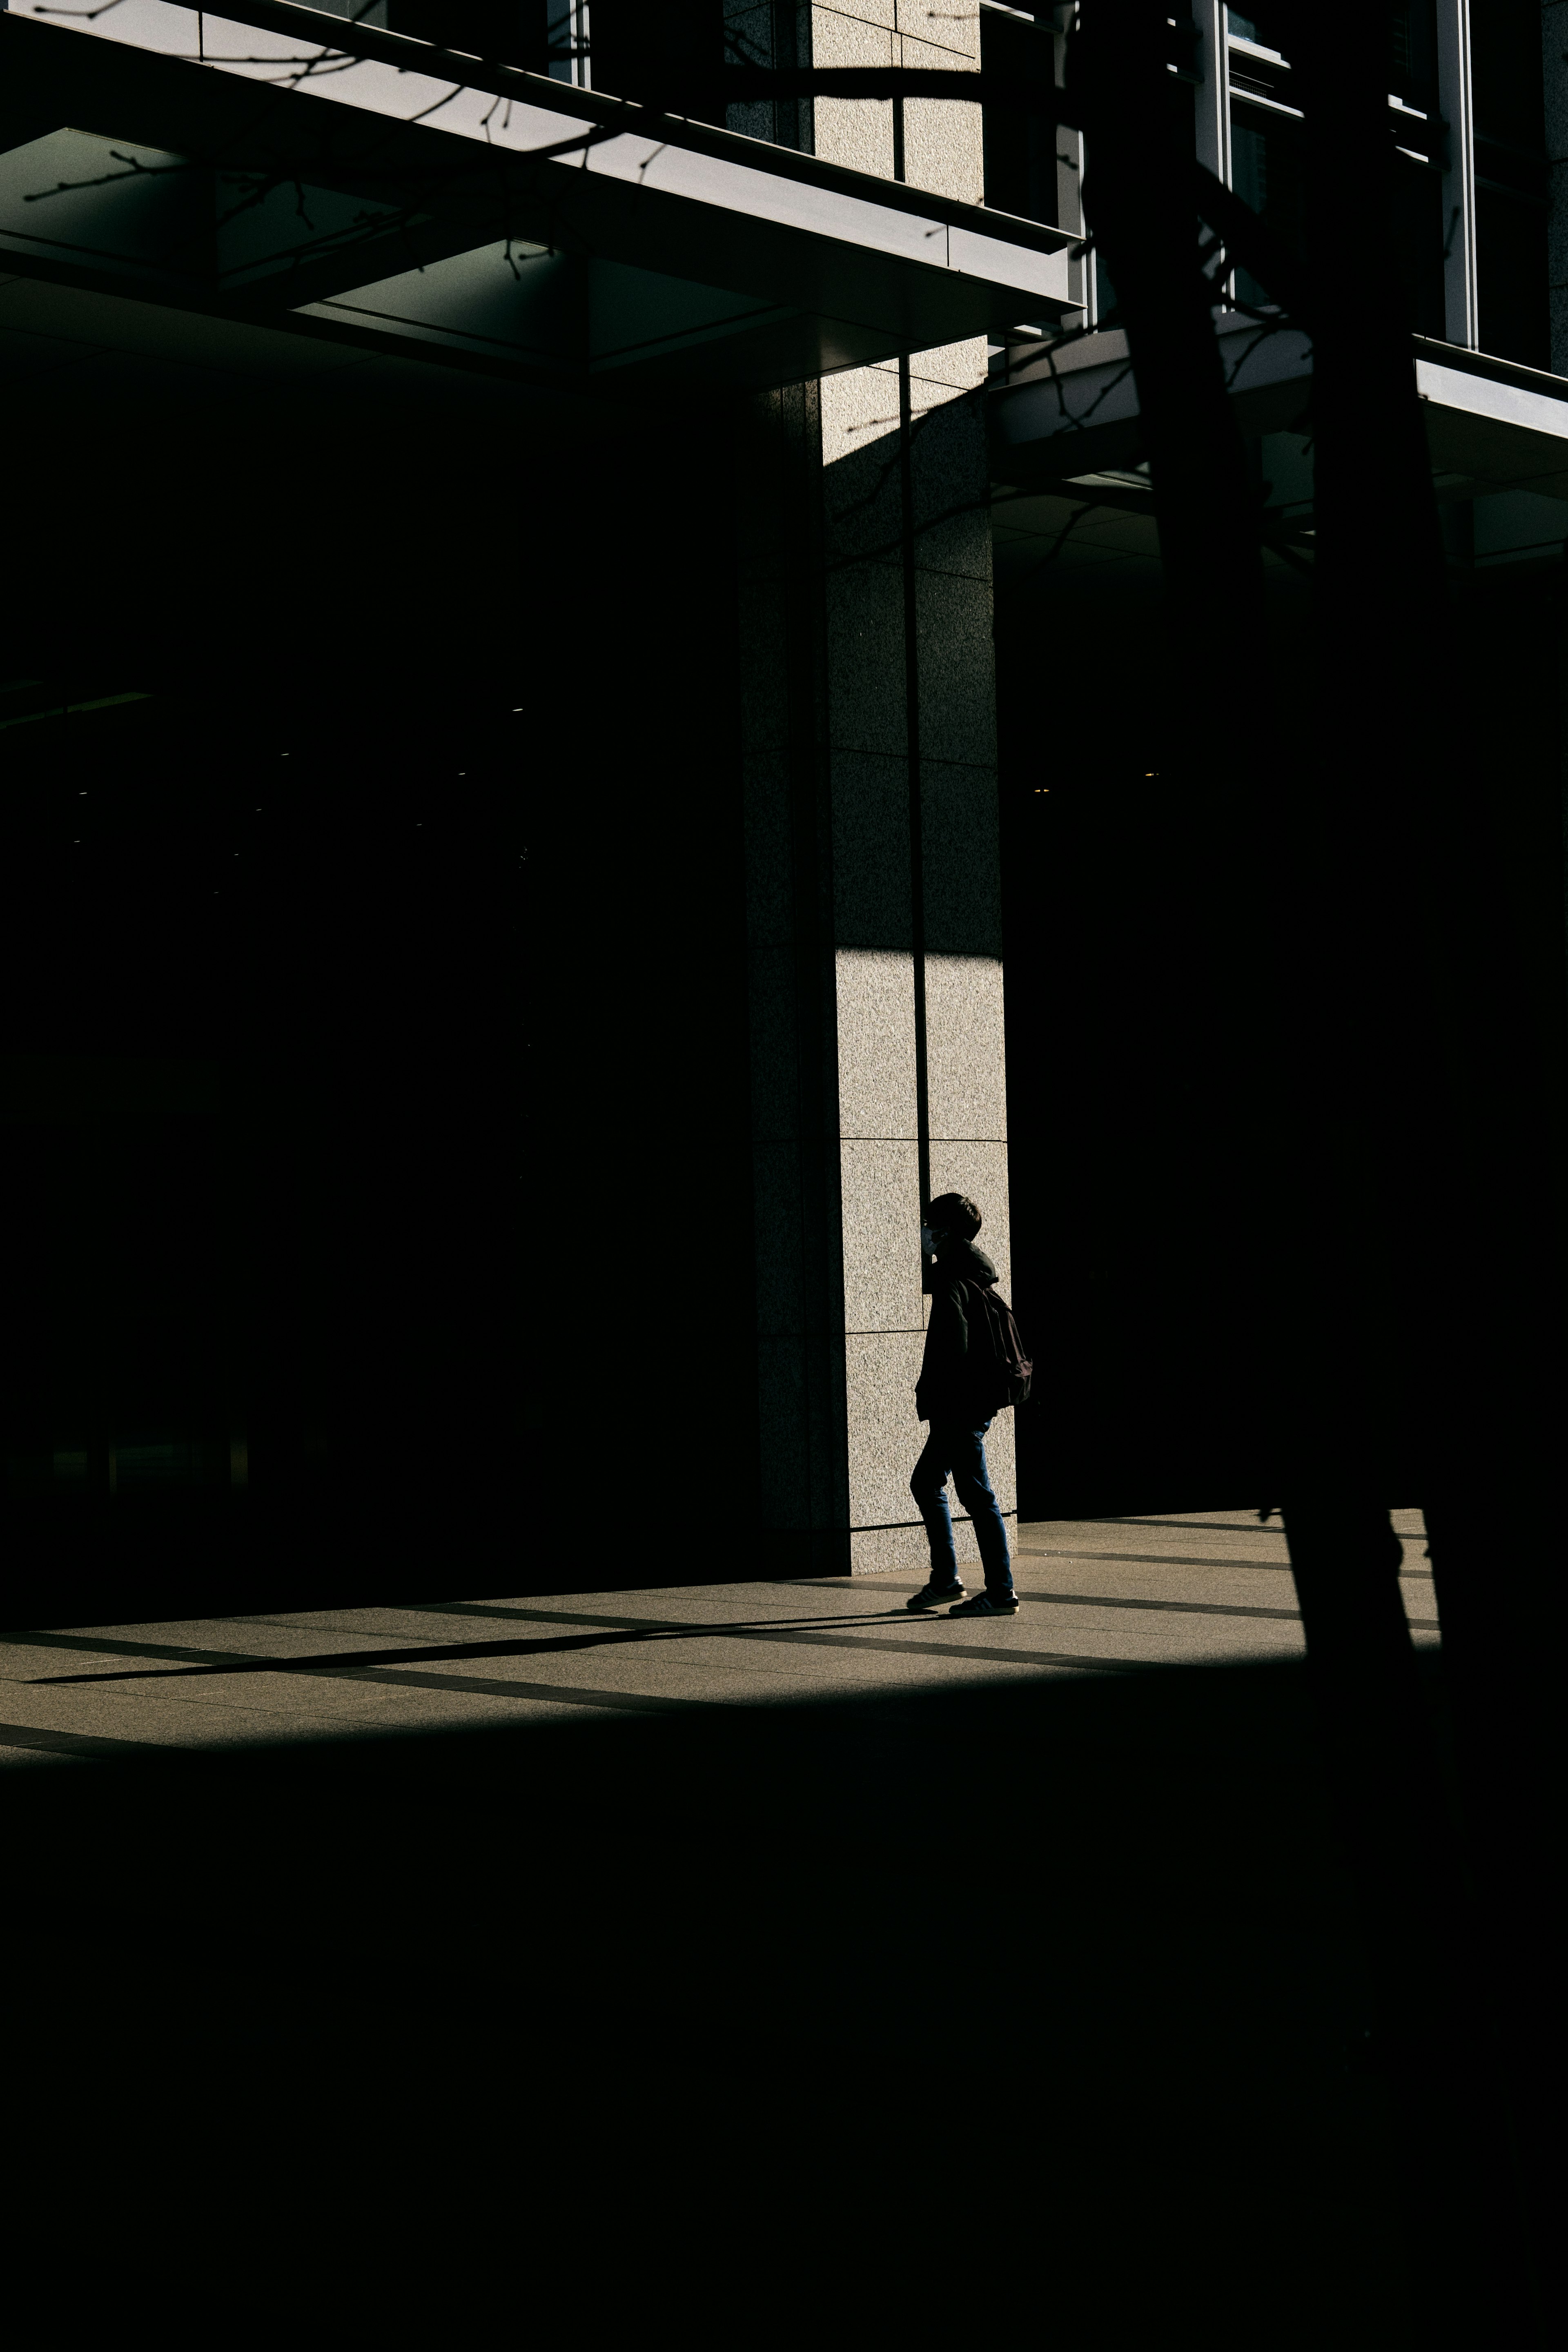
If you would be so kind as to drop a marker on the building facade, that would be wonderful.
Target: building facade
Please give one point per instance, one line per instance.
(754, 492)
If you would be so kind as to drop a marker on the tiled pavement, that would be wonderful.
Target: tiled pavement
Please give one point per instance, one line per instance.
(756, 1966)
(1099, 1596)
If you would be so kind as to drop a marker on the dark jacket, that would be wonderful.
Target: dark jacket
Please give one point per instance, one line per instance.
(957, 1365)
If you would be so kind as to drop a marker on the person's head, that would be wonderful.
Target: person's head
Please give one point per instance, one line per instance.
(949, 1218)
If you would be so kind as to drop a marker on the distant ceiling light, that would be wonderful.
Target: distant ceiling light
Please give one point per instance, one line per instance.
(81, 796)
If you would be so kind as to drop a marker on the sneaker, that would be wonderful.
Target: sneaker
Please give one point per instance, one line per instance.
(987, 1605)
(934, 1595)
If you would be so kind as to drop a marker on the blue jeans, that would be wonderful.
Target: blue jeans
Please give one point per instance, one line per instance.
(952, 1446)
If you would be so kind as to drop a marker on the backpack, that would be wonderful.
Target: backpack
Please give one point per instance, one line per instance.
(1010, 1373)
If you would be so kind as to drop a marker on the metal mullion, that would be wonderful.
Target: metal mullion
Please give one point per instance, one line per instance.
(1091, 259)
(1067, 144)
(1212, 108)
(1455, 101)
(568, 20)
(1267, 105)
(1213, 103)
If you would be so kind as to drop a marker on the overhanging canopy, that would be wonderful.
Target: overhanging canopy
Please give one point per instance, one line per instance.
(281, 169)
(1491, 425)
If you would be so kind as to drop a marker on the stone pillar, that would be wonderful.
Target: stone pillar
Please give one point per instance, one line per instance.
(874, 898)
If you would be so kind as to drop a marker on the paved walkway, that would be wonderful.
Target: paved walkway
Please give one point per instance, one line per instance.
(828, 1931)
(1099, 1596)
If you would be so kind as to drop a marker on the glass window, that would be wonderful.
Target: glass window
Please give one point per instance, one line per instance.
(1269, 162)
(1413, 54)
(770, 34)
(1512, 182)
(513, 31)
(1418, 243)
(667, 53)
(1267, 172)
(1020, 149)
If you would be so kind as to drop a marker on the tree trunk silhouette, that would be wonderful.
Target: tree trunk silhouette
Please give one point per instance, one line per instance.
(1384, 1261)
(1429, 1355)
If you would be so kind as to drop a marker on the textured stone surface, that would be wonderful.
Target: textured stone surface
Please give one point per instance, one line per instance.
(881, 14)
(866, 631)
(862, 494)
(979, 1171)
(761, 617)
(880, 1369)
(958, 669)
(764, 786)
(857, 133)
(872, 903)
(748, 23)
(879, 1187)
(865, 1209)
(943, 139)
(966, 1068)
(859, 407)
(948, 470)
(876, 1045)
(957, 539)
(862, 481)
(953, 26)
(775, 1105)
(962, 366)
(802, 1452)
(951, 367)
(889, 1551)
(933, 130)
(777, 1210)
(1002, 1461)
(962, 859)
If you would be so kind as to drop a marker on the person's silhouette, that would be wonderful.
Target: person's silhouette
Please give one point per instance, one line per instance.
(956, 1396)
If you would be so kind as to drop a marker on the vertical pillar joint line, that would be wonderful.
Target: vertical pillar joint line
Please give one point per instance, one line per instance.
(913, 754)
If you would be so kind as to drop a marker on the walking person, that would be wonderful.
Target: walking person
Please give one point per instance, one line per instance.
(958, 1395)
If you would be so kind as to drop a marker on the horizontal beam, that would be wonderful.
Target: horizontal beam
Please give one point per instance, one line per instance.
(431, 76)
(870, 268)
(1073, 410)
